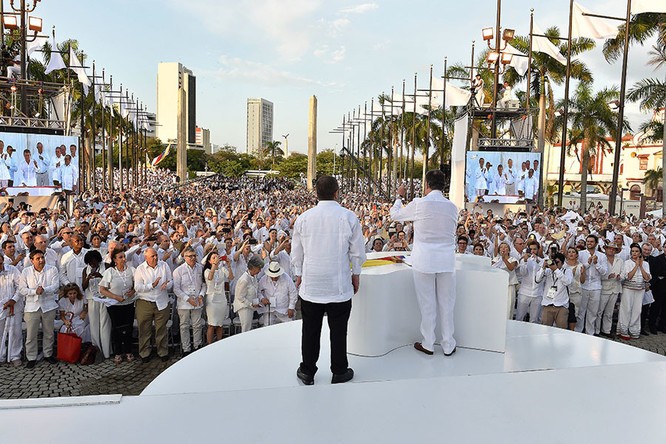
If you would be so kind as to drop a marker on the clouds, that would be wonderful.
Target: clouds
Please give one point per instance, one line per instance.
(235, 68)
(282, 24)
(360, 9)
(291, 30)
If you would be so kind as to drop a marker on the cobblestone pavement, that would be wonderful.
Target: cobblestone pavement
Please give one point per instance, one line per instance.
(63, 379)
(130, 378)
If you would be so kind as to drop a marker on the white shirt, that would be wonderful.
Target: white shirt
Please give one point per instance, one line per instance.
(26, 174)
(31, 279)
(326, 239)
(43, 162)
(119, 282)
(145, 275)
(593, 271)
(435, 219)
(71, 267)
(612, 285)
(9, 280)
(5, 165)
(282, 293)
(526, 272)
(69, 177)
(560, 279)
(188, 283)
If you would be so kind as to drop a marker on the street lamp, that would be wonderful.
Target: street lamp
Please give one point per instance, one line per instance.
(498, 56)
(26, 25)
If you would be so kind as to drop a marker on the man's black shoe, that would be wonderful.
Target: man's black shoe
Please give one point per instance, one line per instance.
(145, 360)
(452, 351)
(51, 360)
(344, 377)
(304, 378)
(653, 330)
(164, 358)
(31, 364)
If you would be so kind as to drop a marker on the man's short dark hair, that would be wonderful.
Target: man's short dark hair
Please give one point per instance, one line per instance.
(326, 187)
(435, 180)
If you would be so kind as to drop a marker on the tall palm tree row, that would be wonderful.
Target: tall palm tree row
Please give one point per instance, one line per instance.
(592, 122)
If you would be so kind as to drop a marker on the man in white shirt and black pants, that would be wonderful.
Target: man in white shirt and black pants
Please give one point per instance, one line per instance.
(433, 259)
(326, 239)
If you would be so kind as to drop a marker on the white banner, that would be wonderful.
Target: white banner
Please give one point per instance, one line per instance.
(457, 189)
(641, 6)
(590, 27)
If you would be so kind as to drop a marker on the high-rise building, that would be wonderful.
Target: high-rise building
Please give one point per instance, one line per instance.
(203, 139)
(259, 125)
(170, 78)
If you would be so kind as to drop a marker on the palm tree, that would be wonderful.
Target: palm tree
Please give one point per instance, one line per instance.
(642, 27)
(592, 121)
(547, 70)
(273, 149)
(652, 180)
(651, 93)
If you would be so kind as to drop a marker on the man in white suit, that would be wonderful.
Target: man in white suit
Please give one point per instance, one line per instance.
(433, 259)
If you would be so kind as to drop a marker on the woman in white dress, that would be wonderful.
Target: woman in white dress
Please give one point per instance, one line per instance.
(216, 272)
(74, 311)
(100, 322)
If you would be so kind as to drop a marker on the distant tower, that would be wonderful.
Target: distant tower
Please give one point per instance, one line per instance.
(259, 125)
(312, 142)
(176, 110)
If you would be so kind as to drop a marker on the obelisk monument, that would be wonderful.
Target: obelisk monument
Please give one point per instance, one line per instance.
(312, 142)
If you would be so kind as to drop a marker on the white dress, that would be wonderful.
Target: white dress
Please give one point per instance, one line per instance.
(79, 326)
(217, 308)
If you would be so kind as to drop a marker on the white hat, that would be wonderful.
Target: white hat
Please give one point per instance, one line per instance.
(274, 269)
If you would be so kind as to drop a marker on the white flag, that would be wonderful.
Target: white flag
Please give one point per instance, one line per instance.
(36, 44)
(590, 27)
(543, 45)
(519, 61)
(75, 65)
(641, 6)
(56, 61)
(455, 96)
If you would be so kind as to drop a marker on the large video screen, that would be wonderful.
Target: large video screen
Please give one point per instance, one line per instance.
(503, 177)
(42, 171)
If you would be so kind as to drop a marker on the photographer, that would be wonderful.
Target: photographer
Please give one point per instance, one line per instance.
(555, 301)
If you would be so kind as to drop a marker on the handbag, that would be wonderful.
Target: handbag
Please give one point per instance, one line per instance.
(69, 346)
(89, 355)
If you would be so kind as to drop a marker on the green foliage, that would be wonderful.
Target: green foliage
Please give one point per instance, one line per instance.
(293, 166)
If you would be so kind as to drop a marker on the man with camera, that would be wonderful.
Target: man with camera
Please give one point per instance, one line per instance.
(530, 291)
(555, 300)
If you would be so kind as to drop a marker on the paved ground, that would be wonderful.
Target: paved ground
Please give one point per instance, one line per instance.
(62, 379)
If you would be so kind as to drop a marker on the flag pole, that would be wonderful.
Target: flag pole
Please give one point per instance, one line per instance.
(620, 116)
(441, 156)
(411, 176)
(565, 117)
(426, 146)
(529, 66)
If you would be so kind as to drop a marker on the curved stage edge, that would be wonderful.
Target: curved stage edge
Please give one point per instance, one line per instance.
(244, 389)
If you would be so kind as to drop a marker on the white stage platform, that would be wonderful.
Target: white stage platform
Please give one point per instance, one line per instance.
(549, 386)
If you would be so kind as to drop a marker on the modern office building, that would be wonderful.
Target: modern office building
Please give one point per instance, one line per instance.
(170, 78)
(203, 139)
(259, 125)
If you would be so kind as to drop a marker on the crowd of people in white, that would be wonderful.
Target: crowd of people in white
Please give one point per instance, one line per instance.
(215, 255)
(570, 270)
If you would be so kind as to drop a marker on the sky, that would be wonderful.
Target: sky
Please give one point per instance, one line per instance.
(345, 51)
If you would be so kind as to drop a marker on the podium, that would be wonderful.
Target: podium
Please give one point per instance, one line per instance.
(385, 313)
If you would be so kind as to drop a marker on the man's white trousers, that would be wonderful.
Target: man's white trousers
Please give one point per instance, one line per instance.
(436, 295)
